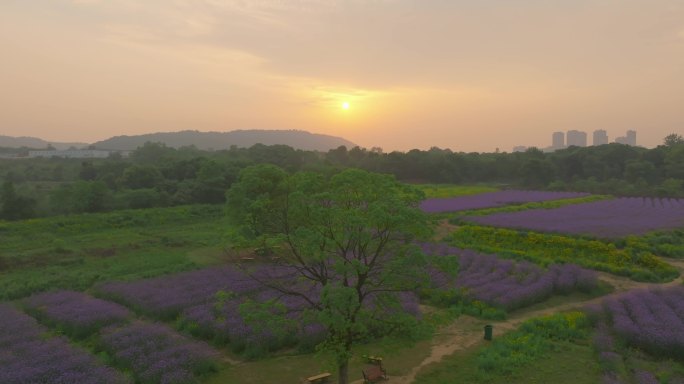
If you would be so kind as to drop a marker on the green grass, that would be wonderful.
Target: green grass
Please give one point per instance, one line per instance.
(75, 252)
(532, 354)
(398, 359)
(451, 190)
(527, 206)
(662, 243)
(564, 363)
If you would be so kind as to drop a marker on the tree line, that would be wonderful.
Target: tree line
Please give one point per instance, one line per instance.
(156, 175)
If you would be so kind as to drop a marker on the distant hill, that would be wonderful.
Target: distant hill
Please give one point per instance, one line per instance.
(34, 142)
(223, 140)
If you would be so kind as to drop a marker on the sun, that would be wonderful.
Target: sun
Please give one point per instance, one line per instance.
(345, 105)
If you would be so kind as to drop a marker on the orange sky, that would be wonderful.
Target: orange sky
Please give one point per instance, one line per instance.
(467, 75)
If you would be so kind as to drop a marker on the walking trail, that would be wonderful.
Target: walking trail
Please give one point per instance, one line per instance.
(467, 331)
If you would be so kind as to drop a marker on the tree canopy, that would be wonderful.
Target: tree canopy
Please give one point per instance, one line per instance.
(348, 238)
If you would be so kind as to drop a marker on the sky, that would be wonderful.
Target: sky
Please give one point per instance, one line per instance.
(466, 75)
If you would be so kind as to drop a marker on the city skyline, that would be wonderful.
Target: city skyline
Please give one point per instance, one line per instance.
(573, 137)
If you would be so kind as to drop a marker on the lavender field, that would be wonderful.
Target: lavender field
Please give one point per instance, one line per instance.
(493, 199)
(207, 303)
(157, 354)
(652, 320)
(167, 296)
(75, 313)
(506, 283)
(604, 219)
(27, 355)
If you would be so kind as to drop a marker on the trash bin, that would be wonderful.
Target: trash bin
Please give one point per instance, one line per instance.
(488, 330)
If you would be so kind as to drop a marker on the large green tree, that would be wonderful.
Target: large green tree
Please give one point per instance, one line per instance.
(351, 235)
(12, 205)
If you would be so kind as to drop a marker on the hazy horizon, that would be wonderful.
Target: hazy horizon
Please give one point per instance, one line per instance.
(464, 75)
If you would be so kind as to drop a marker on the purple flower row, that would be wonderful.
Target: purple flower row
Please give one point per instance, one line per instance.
(506, 283)
(606, 219)
(157, 354)
(27, 356)
(203, 312)
(223, 322)
(166, 296)
(493, 199)
(75, 313)
(290, 324)
(652, 320)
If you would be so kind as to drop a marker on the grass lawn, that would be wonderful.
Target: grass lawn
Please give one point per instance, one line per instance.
(398, 360)
(450, 190)
(568, 363)
(75, 252)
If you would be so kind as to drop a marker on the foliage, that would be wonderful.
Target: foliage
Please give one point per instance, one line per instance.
(12, 205)
(668, 244)
(450, 190)
(350, 235)
(546, 249)
(530, 342)
(673, 139)
(189, 176)
(75, 252)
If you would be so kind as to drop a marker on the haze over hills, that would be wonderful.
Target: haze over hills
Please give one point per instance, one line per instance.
(34, 142)
(223, 140)
(202, 140)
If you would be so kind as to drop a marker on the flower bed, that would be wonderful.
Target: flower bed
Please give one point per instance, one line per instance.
(505, 283)
(652, 320)
(493, 199)
(157, 354)
(27, 356)
(167, 296)
(603, 219)
(75, 313)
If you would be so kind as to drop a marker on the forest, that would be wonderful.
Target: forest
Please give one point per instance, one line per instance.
(158, 176)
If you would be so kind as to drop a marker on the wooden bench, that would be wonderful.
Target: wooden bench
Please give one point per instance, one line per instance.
(320, 378)
(373, 374)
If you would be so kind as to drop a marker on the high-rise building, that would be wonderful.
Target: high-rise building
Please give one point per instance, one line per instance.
(577, 138)
(631, 138)
(600, 137)
(628, 139)
(558, 140)
(519, 148)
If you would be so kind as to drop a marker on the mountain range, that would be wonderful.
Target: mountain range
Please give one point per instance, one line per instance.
(202, 140)
(35, 143)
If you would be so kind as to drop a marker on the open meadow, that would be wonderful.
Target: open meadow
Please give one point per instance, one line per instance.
(154, 296)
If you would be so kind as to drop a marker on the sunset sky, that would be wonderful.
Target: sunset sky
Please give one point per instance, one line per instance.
(467, 75)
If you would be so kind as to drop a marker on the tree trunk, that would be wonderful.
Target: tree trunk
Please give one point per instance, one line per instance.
(344, 372)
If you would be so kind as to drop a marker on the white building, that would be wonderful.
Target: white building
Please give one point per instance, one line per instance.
(600, 137)
(576, 138)
(72, 153)
(558, 140)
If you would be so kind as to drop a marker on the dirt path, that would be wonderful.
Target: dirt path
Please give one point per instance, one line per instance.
(467, 331)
